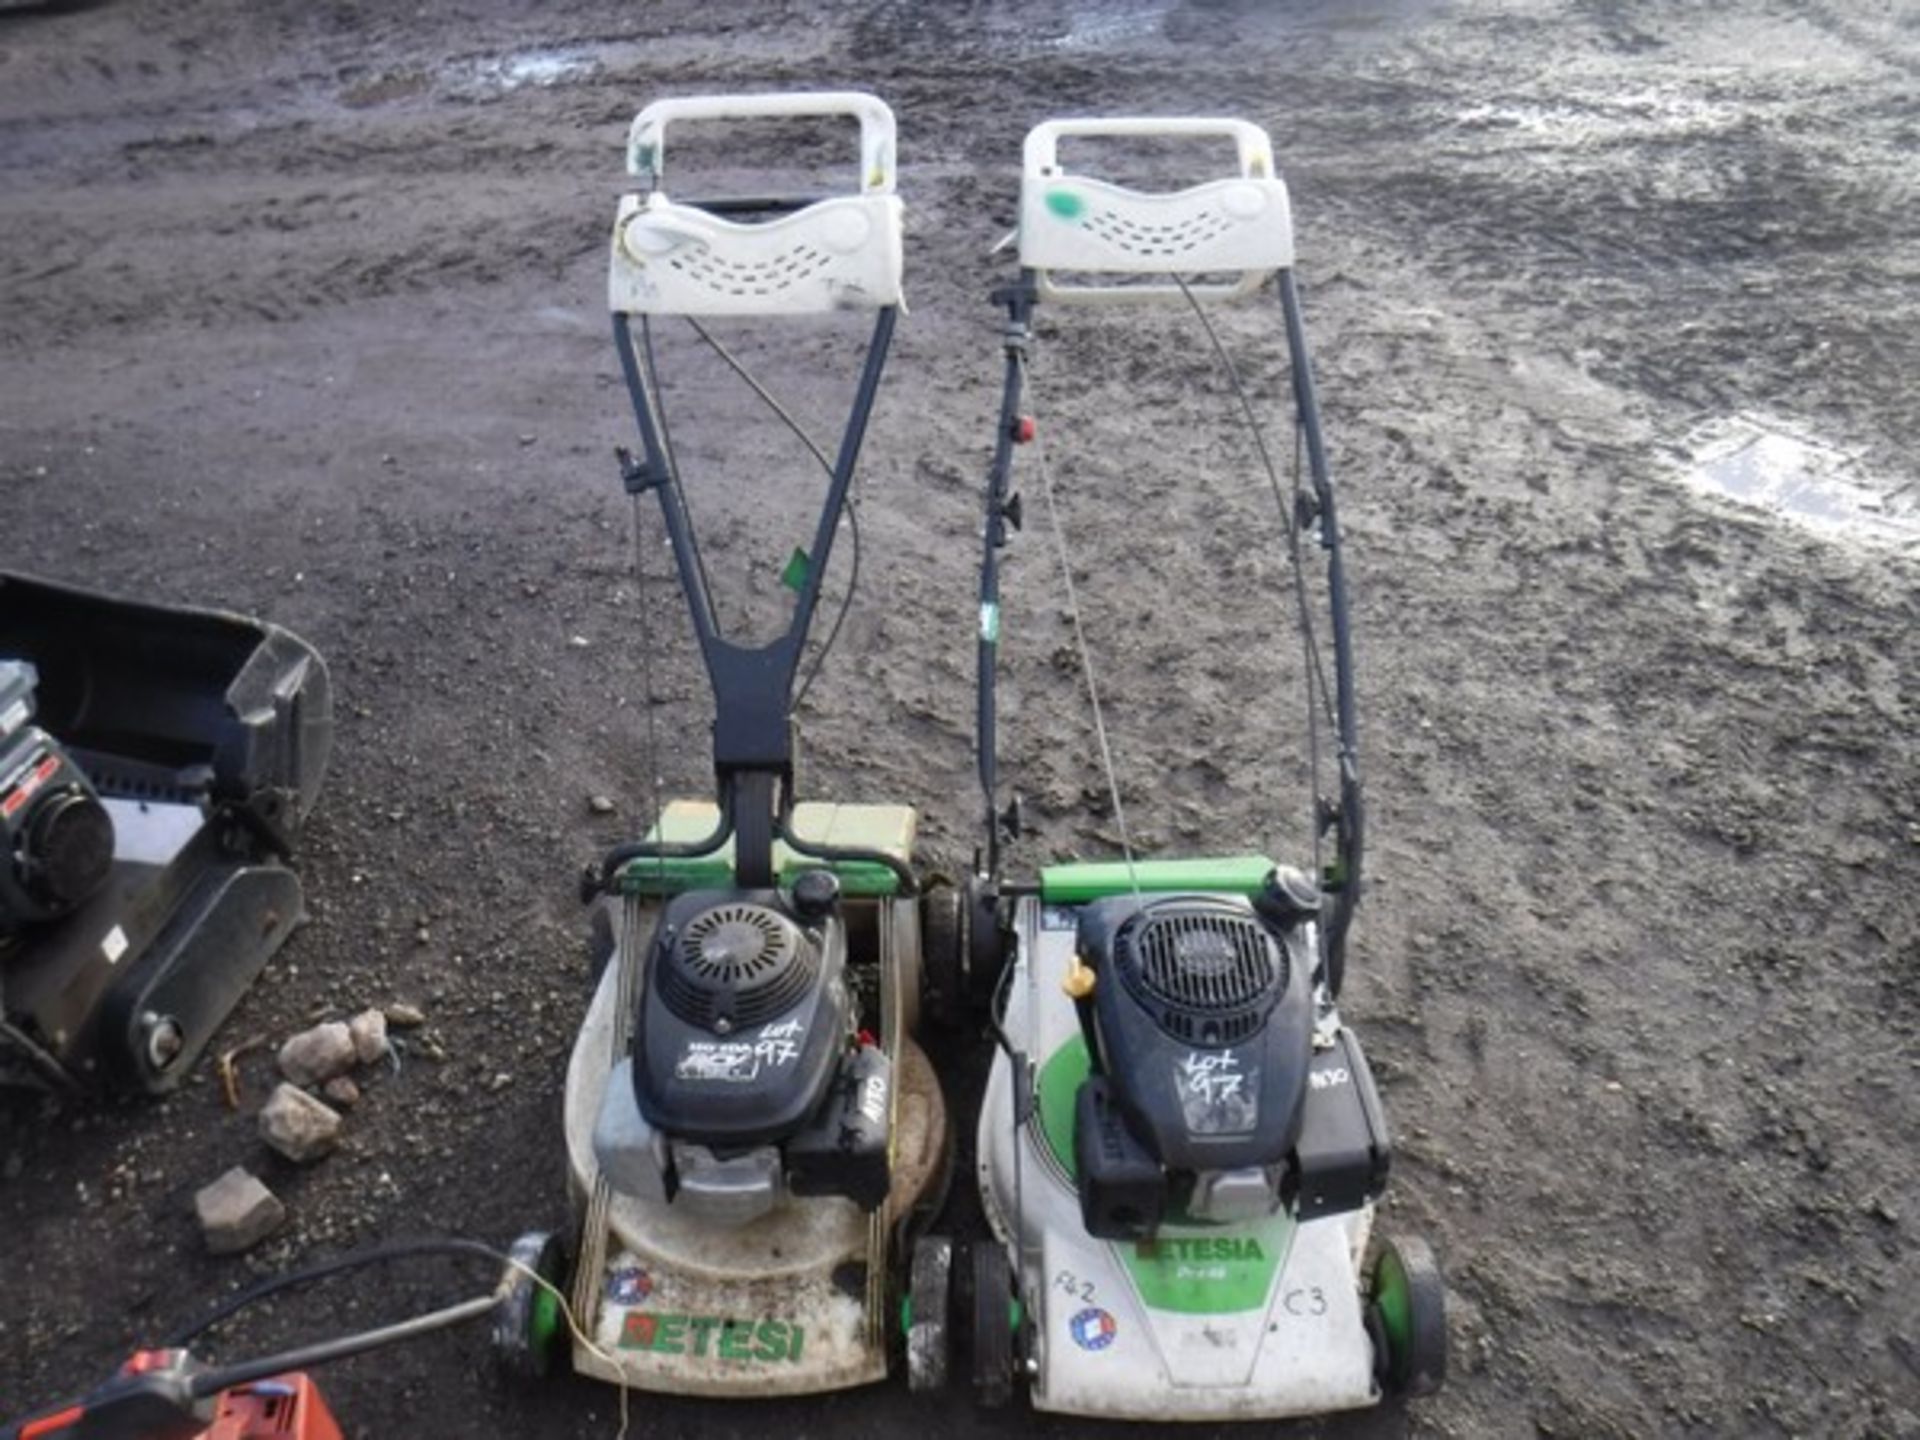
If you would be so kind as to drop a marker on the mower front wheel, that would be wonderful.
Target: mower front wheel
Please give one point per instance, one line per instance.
(1407, 1317)
(529, 1323)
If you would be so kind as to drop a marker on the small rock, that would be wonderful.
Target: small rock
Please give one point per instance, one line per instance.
(237, 1212)
(577, 642)
(528, 439)
(369, 1032)
(299, 1126)
(317, 1055)
(600, 804)
(501, 1081)
(341, 1091)
(423, 936)
(403, 1016)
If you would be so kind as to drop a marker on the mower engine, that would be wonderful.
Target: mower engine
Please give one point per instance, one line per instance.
(1215, 1097)
(56, 838)
(748, 1077)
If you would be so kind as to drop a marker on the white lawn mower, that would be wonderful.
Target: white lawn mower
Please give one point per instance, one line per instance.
(753, 1138)
(1181, 1143)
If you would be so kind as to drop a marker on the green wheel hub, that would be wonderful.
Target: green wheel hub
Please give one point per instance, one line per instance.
(544, 1326)
(1407, 1313)
(1392, 1294)
(529, 1323)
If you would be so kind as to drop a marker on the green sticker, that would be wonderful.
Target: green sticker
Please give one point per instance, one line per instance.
(1065, 203)
(794, 577)
(990, 623)
(1058, 1084)
(1210, 1274)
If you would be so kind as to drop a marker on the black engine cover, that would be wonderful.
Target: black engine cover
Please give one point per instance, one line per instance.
(1202, 1022)
(843, 1149)
(1343, 1154)
(1123, 1190)
(743, 1016)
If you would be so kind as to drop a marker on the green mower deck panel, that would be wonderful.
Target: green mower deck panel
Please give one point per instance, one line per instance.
(886, 828)
(1093, 880)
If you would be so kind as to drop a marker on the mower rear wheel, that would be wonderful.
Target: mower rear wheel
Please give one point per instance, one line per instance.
(529, 1324)
(929, 1337)
(942, 958)
(1407, 1316)
(984, 941)
(603, 939)
(992, 1326)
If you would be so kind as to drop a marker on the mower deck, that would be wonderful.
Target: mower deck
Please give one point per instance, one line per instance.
(798, 1300)
(1254, 1321)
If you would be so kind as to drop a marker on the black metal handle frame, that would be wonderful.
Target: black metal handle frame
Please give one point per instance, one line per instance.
(752, 684)
(1347, 819)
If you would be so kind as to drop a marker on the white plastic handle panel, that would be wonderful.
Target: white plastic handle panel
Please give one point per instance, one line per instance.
(841, 252)
(1237, 224)
(647, 140)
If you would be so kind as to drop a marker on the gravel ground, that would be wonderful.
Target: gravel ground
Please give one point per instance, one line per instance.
(304, 316)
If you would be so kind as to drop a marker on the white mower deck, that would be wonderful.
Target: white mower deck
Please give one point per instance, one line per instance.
(791, 1303)
(1256, 1321)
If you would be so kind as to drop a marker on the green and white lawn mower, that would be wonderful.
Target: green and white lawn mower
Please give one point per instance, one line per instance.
(753, 1138)
(1181, 1144)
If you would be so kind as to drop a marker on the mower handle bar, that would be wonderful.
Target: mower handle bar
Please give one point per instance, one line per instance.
(752, 204)
(1254, 149)
(646, 141)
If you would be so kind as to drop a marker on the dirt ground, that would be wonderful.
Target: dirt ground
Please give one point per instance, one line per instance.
(303, 315)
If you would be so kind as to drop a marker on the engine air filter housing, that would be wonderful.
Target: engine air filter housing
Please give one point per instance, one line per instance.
(735, 965)
(1208, 971)
(1203, 1016)
(743, 1013)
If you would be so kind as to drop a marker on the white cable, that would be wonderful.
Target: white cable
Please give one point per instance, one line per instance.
(1086, 655)
(573, 1325)
(852, 501)
(1316, 676)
